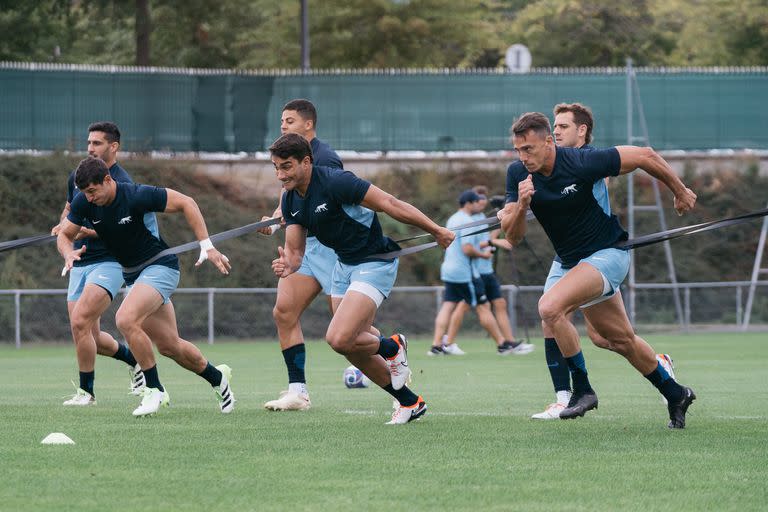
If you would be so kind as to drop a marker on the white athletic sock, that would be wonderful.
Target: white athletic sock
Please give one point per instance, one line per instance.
(300, 388)
(563, 397)
(444, 341)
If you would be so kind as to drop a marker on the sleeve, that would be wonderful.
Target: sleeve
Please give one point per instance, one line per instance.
(513, 179)
(348, 188)
(71, 187)
(285, 207)
(150, 199)
(334, 160)
(77, 210)
(119, 174)
(597, 164)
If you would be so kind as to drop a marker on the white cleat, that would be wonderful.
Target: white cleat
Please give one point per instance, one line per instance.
(289, 401)
(666, 362)
(453, 350)
(552, 412)
(138, 381)
(403, 414)
(398, 364)
(81, 398)
(151, 401)
(223, 391)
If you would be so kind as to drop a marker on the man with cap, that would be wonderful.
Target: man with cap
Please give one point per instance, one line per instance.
(460, 292)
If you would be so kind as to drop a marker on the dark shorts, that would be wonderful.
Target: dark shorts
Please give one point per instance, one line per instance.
(463, 292)
(488, 285)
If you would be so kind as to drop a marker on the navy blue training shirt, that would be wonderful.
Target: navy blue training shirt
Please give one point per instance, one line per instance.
(95, 251)
(565, 205)
(331, 211)
(120, 225)
(324, 155)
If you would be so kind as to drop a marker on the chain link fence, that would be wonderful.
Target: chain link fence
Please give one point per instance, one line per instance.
(245, 314)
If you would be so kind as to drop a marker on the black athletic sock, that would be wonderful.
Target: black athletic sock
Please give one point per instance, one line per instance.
(405, 396)
(153, 379)
(558, 367)
(124, 354)
(578, 369)
(86, 381)
(387, 347)
(295, 357)
(211, 374)
(668, 387)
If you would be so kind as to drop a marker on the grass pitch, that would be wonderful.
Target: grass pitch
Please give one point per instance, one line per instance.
(476, 449)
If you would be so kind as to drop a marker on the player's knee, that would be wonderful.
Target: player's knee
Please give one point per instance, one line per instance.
(338, 342)
(549, 311)
(125, 322)
(168, 349)
(283, 314)
(80, 324)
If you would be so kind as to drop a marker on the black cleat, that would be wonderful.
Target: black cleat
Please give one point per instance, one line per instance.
(677, 411)
(579, 404)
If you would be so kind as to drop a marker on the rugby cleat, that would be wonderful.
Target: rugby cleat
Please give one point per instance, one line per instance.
(453, 349)
(224, 391)
(579, 404)
(398, 364)
(677, 411)
(552, 412)
(151, 401)
(515, 347)
(669, 366)
(403, 414)
(138, 381)
(81, 398)
(435, 350)
(289, 401)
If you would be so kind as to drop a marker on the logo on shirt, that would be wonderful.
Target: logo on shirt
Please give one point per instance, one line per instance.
(124, 220)
(95, 221)
(569, 189)
(293, 214)
(321, 208)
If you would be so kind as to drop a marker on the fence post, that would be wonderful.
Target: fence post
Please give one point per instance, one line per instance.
(17, 315)
(739, 307)
(210, 316)
(512, 309)
(687, 310)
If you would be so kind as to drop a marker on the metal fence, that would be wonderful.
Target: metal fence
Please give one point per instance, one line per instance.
(49, 106)
(209, 314)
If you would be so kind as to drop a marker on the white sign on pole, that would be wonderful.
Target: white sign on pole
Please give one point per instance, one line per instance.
(518, 58)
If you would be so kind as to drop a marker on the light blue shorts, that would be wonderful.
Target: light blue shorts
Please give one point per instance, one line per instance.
(319, 262)
(107, 274)
(163, 279)
(373, 278)
(613, 265)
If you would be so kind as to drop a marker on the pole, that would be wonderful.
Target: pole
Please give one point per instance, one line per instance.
(304, 35)
(630, 199)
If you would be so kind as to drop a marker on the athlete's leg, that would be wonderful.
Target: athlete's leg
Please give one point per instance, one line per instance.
(441, 322)
(294, 294)
(595, 336)
(455, 319)
(488, 321)
(501, 312)
(161, 327)
(138, 305)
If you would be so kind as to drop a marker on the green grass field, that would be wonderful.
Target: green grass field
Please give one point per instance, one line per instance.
(476, 449)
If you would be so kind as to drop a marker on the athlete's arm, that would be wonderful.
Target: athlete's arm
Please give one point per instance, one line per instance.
(513, 222)
(270, 230)
(178, 202)
(64, 240)
(634, 157)
(472, 251)
(55, 229)
(380, 201)
(289, 259)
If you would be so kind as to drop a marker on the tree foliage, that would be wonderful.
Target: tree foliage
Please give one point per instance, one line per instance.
(264, 34)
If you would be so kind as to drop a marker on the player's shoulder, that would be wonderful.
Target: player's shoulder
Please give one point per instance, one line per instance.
(119, 174)
(517, 169)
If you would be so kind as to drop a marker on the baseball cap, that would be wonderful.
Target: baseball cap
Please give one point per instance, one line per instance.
(469, 196)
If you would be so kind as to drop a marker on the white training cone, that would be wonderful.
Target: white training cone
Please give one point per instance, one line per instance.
(57, 438)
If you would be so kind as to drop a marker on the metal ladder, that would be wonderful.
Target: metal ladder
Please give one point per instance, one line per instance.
(634, 100)
(756, 271)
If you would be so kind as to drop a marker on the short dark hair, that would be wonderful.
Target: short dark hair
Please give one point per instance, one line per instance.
(535, 121)
(111, 131)
(90, 171)
(291, 145)
(305, 109)
(581, 115)
(481, 190)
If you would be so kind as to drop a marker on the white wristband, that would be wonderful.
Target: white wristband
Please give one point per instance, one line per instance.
(274, 227)
(205, 245)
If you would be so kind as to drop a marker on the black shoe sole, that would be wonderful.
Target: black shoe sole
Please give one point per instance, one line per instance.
(577, 412)
(419, 413)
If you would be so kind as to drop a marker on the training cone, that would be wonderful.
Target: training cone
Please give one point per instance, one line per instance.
(57, 438)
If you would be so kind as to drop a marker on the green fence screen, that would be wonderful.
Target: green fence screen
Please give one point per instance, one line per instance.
(48, 107)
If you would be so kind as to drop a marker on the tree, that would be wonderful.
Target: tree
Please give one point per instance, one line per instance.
(568, 33)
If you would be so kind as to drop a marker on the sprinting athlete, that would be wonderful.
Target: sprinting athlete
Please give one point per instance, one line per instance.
(297, 291)
(339, 208)
(556, 183)
(95, 279)
(116, 212)
(573, 129)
